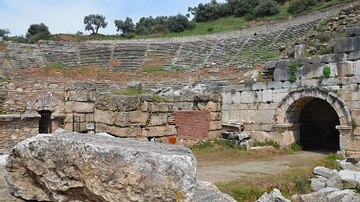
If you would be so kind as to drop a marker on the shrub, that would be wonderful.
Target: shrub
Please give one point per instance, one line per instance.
(210, 29)
(251, 15)
(268, 7)
(295, 147)
(141, 31)
(326, 72)
(244, 6)
(296, 7)
(300, 6)
(276, 145)
(177, 23)
(191, 25)
(130, 36)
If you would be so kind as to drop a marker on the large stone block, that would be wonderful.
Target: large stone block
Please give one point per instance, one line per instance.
(79, 107)
(160, 107)
(118, 131)
(346, 69)
(352, 31)
(158, 120)
(248, 97)
(159, 131)
(130, 118)
(124, 103)
(344, 45)
(74, 167)
(106, 117)
(282, 74)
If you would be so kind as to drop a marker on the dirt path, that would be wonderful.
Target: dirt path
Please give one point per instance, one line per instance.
(224, 170)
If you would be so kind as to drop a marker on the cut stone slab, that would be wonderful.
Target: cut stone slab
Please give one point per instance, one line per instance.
(90, 167)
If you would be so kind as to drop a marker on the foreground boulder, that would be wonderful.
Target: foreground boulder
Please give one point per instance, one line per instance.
(85, 167)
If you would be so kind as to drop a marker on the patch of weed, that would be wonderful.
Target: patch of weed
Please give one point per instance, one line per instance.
(276, 145)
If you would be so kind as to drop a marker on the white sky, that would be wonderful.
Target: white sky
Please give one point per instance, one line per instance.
(66, 16)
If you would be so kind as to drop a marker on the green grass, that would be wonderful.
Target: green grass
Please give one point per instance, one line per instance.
(7, 79)
(130, 92)
(57, 66)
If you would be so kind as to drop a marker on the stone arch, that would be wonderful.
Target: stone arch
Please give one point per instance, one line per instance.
(289, 109)
(43, 101)
(316, 130)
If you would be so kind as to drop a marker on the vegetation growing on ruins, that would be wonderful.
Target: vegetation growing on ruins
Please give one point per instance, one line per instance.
(326, 72)
(293, 68)
(131, 92)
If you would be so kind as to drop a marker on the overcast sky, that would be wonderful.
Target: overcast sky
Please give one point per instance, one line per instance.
(66, 16)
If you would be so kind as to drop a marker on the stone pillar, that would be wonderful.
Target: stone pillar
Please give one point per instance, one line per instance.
(348, 140)
(287, 133)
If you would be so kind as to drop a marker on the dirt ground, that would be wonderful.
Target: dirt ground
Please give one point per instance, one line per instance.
(218, 170)
(225, 170)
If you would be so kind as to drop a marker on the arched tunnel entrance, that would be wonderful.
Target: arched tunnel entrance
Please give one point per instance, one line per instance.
(318, 121)
(316, 118)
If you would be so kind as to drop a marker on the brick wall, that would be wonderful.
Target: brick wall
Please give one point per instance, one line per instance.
(192, 124)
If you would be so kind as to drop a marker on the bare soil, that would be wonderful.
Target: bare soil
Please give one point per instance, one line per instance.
(219, 170)
(227, 169)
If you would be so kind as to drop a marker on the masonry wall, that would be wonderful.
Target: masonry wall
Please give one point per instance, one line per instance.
(15, 128)
(192, 124)
(191, 118)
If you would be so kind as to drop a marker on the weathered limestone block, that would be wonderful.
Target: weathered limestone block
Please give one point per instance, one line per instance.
(210, 106)
(106, 117)
(318, 183)
(130, 118)
(74, 167)
(118, 131)
(325, 172)
(345, 69)
(124, 103)
(159, 131)
(79, 107)
(348, 178)
(160, 107)
(282, 74)
(318, 195)
(352, 31)
(81, 96)
(158, 120)
(344, 45)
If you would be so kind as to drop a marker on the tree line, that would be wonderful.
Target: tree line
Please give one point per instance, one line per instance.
(160, 25)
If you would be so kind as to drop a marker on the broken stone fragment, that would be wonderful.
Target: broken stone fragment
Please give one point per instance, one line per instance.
(91, 167)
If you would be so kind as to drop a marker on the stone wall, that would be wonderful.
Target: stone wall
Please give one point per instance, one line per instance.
(143, 117)
(15, 128)
(273, 110)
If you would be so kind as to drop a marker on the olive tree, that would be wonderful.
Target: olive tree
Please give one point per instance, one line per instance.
(125, 27)
(4, 33)
(94, 22)
(37, 32)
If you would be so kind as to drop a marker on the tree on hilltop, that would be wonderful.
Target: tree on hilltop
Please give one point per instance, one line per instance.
(4, 33)
(94, 22)
(125, 27)
(177, 23)
(37, 32)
